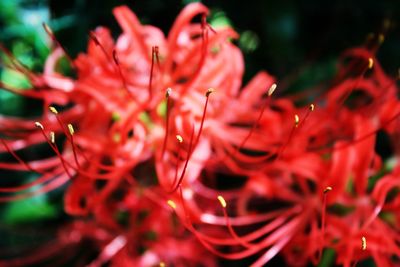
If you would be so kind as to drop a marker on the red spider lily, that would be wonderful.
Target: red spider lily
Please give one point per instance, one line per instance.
(157, 118)
(326, 148)
(111, 139)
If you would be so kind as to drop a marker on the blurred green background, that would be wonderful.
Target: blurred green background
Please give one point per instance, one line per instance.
(297, 41)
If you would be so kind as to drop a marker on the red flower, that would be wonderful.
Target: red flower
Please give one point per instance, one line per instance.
(152, 121)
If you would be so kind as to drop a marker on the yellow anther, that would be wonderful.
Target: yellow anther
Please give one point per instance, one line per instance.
(222, 201)
(327, 189)
(115, 116)
(210, 91)
(39, 125)
(47, 28)
(370, 63)
(179, 138)
(363, 243)
(381, 38)
(296, 120)
(53, 137)
(171, 203)
(117, 137)
(271, 90)
(162, 264)
(53, 110)
(312, 107)
(71, 129)
(168, 92)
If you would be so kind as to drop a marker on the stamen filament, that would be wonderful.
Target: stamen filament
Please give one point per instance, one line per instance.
(323, 218)
(151, 74)
(271, 90)
(363, 248)
(26, 164)
(121, 75)
(310, 109)
(70, 136)
(54, 147)
(54, 39)
(208, 93)
(186, 163)
(72, 132)
(229, 225)
(369, 66)
(114, 58)
(180, 140)
(167, 96)
(283, 147)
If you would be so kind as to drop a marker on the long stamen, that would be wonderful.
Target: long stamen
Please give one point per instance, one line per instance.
(193, 144)
(167, 96)
(150, 89)
(53, 37)
(190, 227)
(92, 35)
(54, 147)
(271, 90)
(189, 153)
(204, 34)
(26, 164)
(229, 225)
(157, 56)
(76, 149)
(205, 25)
(323, 218)
(121, 75)
(353, 142)
(16, 64)
(113, 59)
(187, 216)
(207, 241)
(208, 93)
(283, 147)
(59, 120)
(344, 98)
(203, 56)
(363, 248)
(310, 109)
(69, 134)
(180, 141)
(72, 132)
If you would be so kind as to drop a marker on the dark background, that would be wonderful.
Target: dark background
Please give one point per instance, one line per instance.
(282, 36)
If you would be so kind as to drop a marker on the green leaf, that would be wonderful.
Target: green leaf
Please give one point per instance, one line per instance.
(328, 258)
(186, 2)
(29, 210)
(146, 119)
(12, 104)
(162, 109)
(248, 41)
(219, 19)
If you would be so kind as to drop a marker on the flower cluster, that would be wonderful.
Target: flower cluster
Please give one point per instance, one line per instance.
(169, 161)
